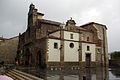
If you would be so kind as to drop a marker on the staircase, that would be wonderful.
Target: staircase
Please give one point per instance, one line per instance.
(18, 75)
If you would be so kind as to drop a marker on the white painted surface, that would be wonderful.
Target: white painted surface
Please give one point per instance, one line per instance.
(67, 35)
(93, 77)
(56, 34)
(71, 77)
(53, 54)
(91, 51)
(71, 54)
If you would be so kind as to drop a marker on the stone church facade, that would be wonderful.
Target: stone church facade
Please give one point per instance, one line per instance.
(49, 43)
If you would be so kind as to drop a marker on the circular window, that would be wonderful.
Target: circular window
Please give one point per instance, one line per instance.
(98, 50)
(71, 45)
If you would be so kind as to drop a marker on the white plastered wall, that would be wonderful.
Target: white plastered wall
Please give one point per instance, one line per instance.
(53, 54)
(56, 34)
(67, 35)
(91, 51)
(71, 54)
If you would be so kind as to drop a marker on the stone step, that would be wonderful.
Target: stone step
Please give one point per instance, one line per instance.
(12, 76)
(28, 75)
(9, 75)
(18, 75)
(21, 75)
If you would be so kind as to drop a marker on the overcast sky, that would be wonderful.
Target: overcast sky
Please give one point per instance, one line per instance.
(13, 15)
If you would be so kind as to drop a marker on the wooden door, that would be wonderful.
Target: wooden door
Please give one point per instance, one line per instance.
(39, 58)
(88, 60)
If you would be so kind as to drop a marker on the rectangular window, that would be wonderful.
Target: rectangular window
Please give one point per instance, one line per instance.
(71, 36)
(56, 45)
(88, 48)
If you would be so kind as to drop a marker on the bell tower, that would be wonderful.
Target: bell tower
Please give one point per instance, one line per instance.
(33, 15)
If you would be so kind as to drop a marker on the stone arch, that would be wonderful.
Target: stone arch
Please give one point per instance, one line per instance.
(31, 59)
(27, 57)
(39, 58)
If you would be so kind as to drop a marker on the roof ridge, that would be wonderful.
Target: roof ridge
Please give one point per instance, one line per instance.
(50, 21)
(86, 24)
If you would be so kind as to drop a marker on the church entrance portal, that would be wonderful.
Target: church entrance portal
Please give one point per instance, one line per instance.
(88, 60)
(27, 57)
(39, 58)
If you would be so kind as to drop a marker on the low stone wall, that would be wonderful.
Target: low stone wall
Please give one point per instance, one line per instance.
(6, 68)
(2, 71)
(8, 50)
(114, 63)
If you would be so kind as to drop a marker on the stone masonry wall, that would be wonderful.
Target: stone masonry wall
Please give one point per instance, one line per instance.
(8, 50)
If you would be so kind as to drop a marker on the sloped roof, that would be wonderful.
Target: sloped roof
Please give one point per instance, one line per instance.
(89, 42)
(49, 22)
(82, 29)
(54, 37)
(1, 38)
(84, 25)
(40, 13)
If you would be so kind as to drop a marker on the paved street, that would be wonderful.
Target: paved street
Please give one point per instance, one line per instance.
(75, 73)
(30, 73)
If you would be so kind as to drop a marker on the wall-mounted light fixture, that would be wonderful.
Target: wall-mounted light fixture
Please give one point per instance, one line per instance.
(61, 46)
(79, 48)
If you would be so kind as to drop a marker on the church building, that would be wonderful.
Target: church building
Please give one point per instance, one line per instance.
(48, 43)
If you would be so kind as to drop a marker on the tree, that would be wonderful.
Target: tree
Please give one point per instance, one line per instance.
(115, 55)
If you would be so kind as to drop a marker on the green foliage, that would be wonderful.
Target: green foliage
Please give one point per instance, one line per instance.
(115, 55)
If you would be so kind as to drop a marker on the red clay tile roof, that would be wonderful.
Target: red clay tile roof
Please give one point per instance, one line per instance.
(81, 28)
(86, 24)
(53, 37)
(3, 38)
(89, 41)
(98, 44)
(49, 22)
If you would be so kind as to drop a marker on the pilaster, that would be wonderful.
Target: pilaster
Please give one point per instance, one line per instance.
(62, 48)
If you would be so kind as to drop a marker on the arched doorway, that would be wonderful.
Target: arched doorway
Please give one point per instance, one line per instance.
(39, 58)
(27, 57)
(88, 60)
